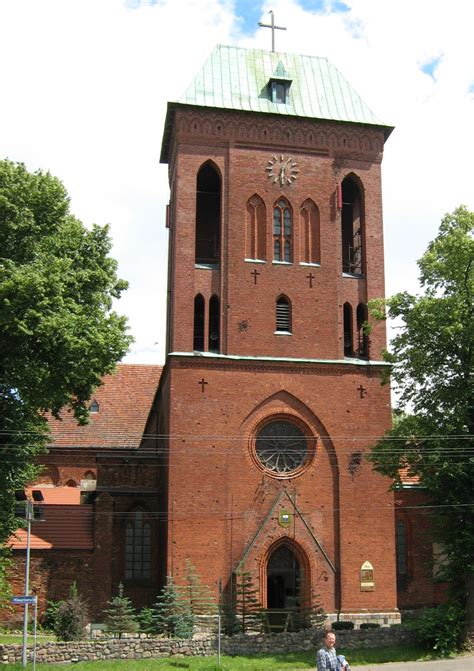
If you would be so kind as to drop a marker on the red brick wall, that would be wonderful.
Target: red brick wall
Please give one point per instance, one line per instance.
(248, 309)
(419, 588)
(219, 497)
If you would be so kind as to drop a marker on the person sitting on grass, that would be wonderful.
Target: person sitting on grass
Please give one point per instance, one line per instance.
(327, 659)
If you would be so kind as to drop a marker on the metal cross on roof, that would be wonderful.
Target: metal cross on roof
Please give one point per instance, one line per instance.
(273, 28)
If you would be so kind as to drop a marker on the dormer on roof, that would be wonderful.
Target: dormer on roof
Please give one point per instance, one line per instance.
(279, 85)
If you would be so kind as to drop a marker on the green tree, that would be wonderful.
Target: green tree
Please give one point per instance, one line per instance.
(173, 615)
(5, 587)
(431, 361)
(71, 617)
(147, 621)
(120, 615)
(58, 332)
(247, 605)
(197, 595)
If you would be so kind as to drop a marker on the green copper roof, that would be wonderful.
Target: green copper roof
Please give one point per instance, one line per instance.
(237, 79)
(234, 78)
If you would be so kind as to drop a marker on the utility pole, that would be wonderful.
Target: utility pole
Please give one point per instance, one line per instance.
(29, 513)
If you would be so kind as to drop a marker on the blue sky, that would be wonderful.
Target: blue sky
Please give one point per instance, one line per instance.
(87, 83)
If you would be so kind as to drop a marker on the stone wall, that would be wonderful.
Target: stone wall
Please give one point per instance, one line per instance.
(142, 648)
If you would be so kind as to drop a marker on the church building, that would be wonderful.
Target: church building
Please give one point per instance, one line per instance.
(271, 394)
(247, 451)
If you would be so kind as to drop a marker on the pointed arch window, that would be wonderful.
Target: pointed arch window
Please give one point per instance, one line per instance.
(198, 335)
(208, 215)
(255, 244)
(214, 324)
(282, 232)
(283, 315)
(310, 233)
(137, 548)
(352, 233)
(362, 337)
(347, 319)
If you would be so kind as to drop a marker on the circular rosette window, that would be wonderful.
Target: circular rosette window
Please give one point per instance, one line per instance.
(282, 447)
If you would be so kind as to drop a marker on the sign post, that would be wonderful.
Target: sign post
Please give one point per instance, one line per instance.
(25, 601)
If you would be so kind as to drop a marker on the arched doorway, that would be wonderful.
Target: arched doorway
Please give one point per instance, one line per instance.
(283, 579)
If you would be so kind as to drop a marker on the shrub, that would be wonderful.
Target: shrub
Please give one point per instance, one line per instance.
(71, 617)
(441, 628)
(147, 621)
(342, 624)
(369, 625)
(50, 614)
(120, 615)
(172, 613)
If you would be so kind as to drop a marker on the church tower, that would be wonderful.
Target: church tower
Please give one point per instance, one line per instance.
(271, 393)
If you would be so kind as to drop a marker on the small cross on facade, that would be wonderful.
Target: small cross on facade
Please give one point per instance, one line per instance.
(202, 383)
(362, 391)
(272, 26)
(310, 277)
(255, 274)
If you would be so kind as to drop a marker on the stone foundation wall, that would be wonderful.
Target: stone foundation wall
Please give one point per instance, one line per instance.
(143, 648)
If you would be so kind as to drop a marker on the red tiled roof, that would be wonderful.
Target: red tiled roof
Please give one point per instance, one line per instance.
(57, 496)
(407, 479)
(124, 399)
(64, 527)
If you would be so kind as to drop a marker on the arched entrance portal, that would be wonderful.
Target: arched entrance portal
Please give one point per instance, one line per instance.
(283, 579)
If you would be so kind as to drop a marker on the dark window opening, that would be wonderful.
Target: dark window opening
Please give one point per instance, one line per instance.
(198, 338)
(401, 554)
(351, 222)
(137, 548)
(280, 92)
(208, 213)
(362, 337)
(283, 579)
(282, 232)
(283, 315)
(347, 318)
(214, 323)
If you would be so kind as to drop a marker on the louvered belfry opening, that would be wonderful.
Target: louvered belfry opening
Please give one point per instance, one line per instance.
(283, 315)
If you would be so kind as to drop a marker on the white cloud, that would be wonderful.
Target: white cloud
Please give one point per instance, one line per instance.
(85, 86)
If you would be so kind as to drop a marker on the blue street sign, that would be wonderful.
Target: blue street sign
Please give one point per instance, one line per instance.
(22, 600)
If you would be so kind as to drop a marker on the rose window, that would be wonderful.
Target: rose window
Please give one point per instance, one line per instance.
(281, 446)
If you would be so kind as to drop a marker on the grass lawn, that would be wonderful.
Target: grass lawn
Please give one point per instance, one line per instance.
(293, 661)
(18, 638)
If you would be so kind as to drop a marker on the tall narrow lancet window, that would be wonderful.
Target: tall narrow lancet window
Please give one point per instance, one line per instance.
(310, 233)
(283, 315)
(208, 215)
(352, 228)
(198, 335)
(362, 337)
(255, 229)
(214, 323)
(347, 325)
(282, 232)
(137, 548)
(401, 553)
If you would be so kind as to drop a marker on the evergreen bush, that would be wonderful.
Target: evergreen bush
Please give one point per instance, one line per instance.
(441, 628)
(342, 624)
(173, 616)
(120, 616)
(369, 625)
(147, 621)
(71, 617)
